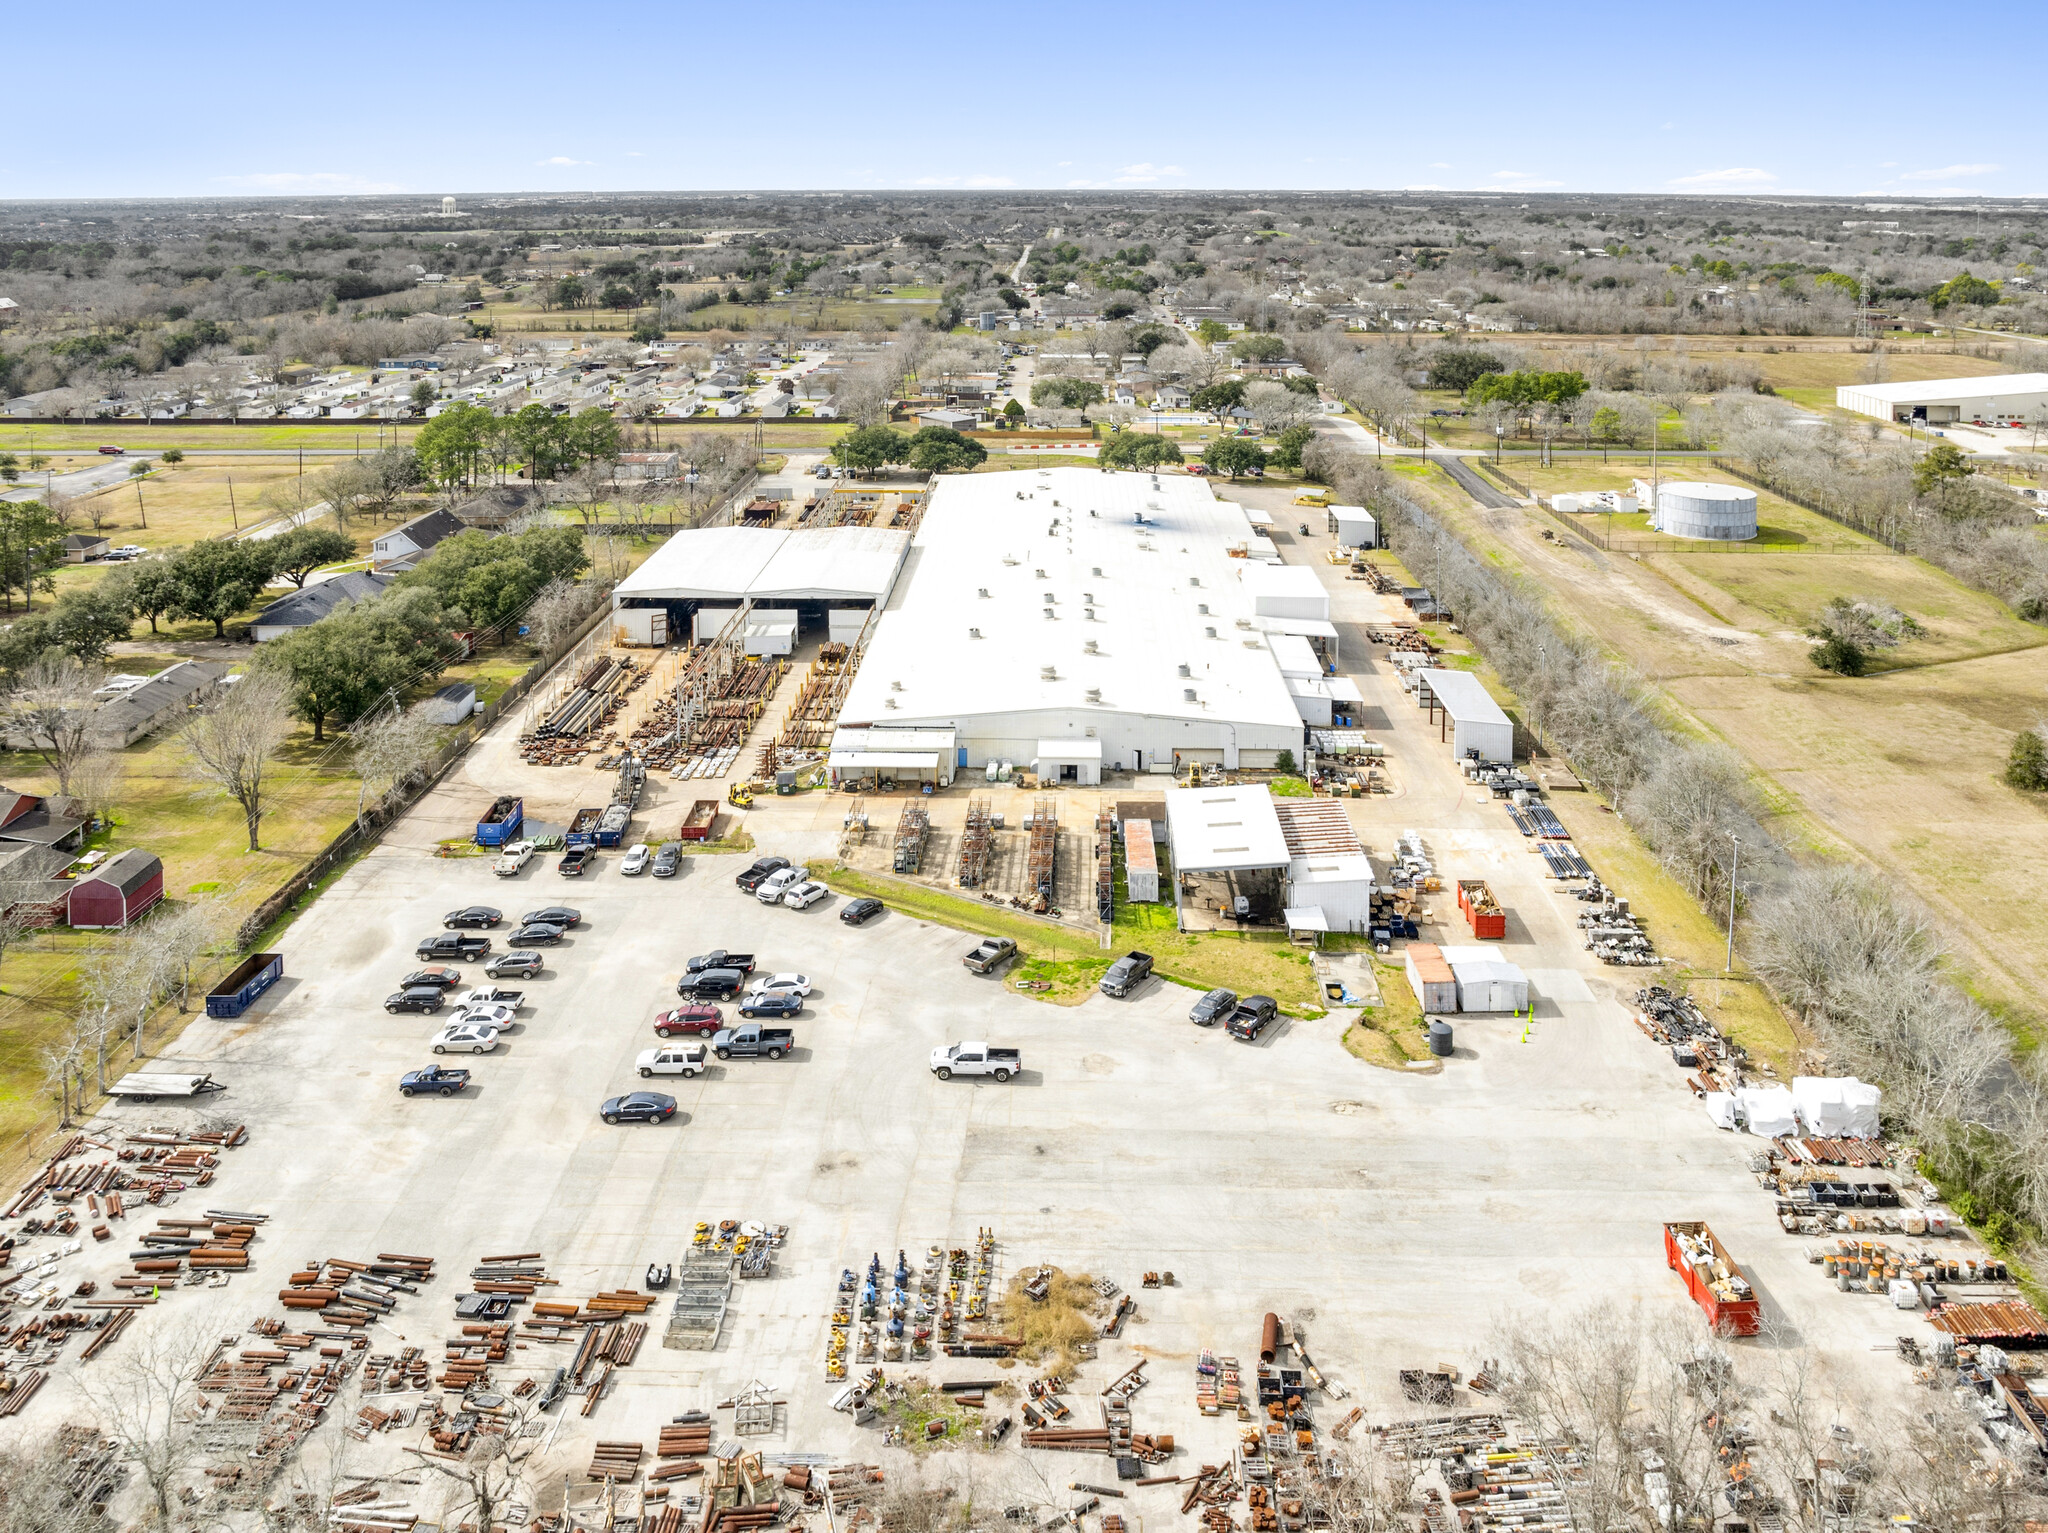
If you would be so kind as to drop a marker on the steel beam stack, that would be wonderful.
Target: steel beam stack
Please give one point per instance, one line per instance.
(977, 840)
(1045, 835)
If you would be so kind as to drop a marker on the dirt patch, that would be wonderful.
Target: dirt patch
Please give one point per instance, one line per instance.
(1052, 1328)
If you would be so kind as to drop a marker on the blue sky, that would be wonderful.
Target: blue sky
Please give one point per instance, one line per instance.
(214, 100)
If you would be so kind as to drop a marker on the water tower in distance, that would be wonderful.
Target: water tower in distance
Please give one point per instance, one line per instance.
(447, 207)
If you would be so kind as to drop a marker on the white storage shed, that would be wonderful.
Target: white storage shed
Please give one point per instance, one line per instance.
(1486, 981)
(1341, 886)
(1355, 527)
(1071, 761)
(1472, 720)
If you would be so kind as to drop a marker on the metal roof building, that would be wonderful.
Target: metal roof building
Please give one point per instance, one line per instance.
(770, 565)
(1053, 613)
(2000, 397)
(1472, 720)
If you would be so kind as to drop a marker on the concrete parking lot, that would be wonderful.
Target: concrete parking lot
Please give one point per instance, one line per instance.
(1406, 1213)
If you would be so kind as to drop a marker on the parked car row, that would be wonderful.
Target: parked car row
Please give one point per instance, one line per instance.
(483, 1012)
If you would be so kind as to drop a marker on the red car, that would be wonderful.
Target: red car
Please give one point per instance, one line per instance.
(696, 1021)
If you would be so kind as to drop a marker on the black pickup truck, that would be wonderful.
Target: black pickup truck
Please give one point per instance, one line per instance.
(1126, 974)
(719, 958)
(710, 985)
(455, 945)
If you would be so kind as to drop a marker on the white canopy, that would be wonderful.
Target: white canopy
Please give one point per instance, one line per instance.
(1768, 1110)
(1306, 918)
(1720, 1107)
(1836, 1107)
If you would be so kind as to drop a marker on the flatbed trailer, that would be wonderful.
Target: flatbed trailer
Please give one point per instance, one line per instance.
(148, 1085)
(1714, 1279)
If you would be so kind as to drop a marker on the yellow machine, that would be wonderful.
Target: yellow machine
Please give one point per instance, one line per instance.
(740, 796)
(1312, 498)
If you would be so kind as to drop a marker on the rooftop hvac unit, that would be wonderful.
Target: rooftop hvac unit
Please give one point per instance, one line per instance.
(1048, 673)
(1039, 573)
(1096, 572)
(1095, 694)
(1188, 693)
(974, 633)
(1210, 632)
(1193, 580)
(1091, 648)
(1185, 671)
(1244, 622)
(984, 593)
(888, 702)
(895, 686)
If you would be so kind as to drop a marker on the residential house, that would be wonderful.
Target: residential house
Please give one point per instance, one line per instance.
(302, 609)
(649, 465)
(30, 890)
(499, 505)
(133, 707)
(26, 819)
(1171, 396)
(403, 547)
(79, 547)
(952, 420)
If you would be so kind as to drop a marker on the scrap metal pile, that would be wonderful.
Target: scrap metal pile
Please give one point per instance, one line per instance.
(1677, 1022)
(1614, 934)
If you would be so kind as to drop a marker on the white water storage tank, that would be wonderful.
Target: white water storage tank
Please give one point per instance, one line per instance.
(1693, 509)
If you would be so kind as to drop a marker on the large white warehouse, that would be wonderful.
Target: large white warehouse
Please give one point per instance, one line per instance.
(1089, 621)
(821, 580)
(2002, 399)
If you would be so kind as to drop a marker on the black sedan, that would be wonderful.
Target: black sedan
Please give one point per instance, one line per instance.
(551, 915)
(425, 998)
(522, 962)
(639, 1107)
(440, 977)
(753, 878)
(669, 860)
(1254, 1014)
(1213, 1008)
(472, 918)
(856, 912)
(537, 934)
(772, 1003)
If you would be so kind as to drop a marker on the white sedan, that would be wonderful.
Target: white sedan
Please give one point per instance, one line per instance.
(636, 859)
(804, 895)
(780, 984)
(466, 1038)
(487, 1014)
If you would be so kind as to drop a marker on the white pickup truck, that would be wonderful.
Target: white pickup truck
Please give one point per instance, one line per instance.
(513, 858)
(976, 1059)
(676, 1059)
(490, 995)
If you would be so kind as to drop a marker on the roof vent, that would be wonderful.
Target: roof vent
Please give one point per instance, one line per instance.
(1048, 673)
(974, 633)
(888, 702)
(1039, 573)
(1244, 622)
(1203, 608)
(1094, 696)
(1210, 632)
(1048, 614)
(1096, 571)
(895, 686)
(1094, 513)
(1088, 614)
(1092, 648)
(1020, 494)
(1185, 671)
(1253, 644)
(984, 593)
(1188, 693)
(1193, 580)
(1088, 597)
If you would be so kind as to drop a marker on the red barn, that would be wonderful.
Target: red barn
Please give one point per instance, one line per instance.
(117, 891)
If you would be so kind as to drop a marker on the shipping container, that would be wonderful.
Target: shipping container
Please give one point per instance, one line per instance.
(237, 993)
(1430, 977)
(1482, 910)
(1711, 1275)
(697, 824)
(501, 823)
(583, 828)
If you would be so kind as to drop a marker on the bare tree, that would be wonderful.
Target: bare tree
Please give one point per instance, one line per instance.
(60, 1062)
(95, 782)
(393, 749)
(50, 711)
(555, 612)
(44, 1488)
(489, 1478)
(1276, 407)
(231, 742)
(145, 1400)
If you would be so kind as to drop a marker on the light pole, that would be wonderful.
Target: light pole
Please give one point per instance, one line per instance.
(1733, 873)
(1499, 432)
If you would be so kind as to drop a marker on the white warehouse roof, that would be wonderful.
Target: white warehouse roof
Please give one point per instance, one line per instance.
(1217, 830)
(770, 564)
(2017, 391)
(1002, 612)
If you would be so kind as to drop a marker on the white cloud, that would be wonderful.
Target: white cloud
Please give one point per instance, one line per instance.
(1734, 176)
(970, 182)
(1947, 171)
(1439, 164)
(1522, 180)
(329, 182)
(560, 159)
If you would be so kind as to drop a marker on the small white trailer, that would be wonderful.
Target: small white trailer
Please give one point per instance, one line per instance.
(148, 1085)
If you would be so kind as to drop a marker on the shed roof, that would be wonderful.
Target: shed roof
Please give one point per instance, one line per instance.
(1462, 695)
(1221, 829)
(303, 608)
(126, 871)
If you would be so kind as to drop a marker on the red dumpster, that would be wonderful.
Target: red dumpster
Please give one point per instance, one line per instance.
(1716, 1283)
